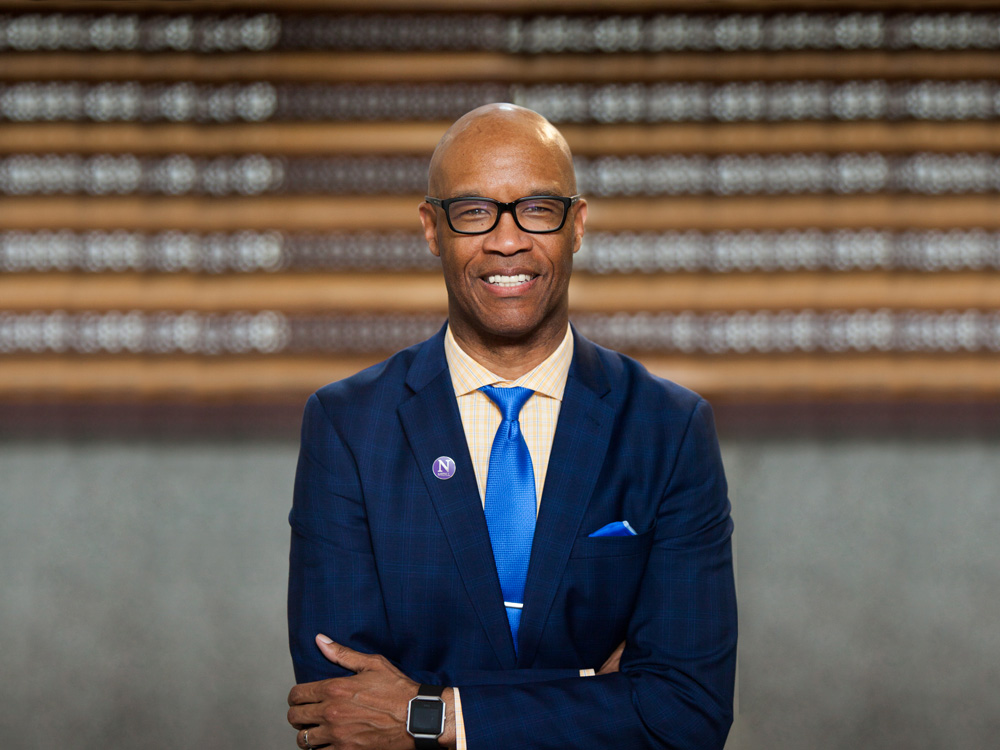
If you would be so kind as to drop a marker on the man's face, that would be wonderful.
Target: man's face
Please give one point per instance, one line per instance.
(508, 283)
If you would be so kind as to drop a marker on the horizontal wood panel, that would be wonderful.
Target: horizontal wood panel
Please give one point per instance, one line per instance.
(416, 292)
(348, 292)
(783, 137)
(877, 376)
(299, 139)
(822, 212)
(319, 213)
(357, 67)
(818, 291)
(292, 138)
(129, 377)
(188, 378)
(310, 213)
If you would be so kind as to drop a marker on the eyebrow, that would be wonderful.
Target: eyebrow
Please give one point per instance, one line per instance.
(542, 192)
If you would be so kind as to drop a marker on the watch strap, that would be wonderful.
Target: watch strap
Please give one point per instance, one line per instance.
(428, 743)
(430, 691)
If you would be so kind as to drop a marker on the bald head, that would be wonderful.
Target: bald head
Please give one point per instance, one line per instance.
(493, 126)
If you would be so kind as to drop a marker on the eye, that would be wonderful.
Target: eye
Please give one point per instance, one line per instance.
(468, 210)
(539, 208)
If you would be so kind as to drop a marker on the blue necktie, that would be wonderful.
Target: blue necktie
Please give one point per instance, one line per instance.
(510, 501)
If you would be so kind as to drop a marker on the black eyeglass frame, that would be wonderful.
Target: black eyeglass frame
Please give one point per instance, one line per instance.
(444, 203)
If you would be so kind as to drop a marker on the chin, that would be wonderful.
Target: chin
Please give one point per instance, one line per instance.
(509, 325)
(513, 330)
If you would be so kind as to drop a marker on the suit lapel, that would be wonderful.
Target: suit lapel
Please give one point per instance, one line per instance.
(433, 428)
(578, 450)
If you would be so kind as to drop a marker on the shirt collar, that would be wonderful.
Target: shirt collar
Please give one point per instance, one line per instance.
(547, 378)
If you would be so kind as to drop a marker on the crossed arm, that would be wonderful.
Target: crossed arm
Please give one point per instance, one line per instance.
(368, 709)
(673, 684)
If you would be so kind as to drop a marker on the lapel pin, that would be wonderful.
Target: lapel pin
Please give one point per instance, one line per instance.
(444, 468)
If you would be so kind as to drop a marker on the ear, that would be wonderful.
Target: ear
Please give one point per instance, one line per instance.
(428, 218)
(579, 221)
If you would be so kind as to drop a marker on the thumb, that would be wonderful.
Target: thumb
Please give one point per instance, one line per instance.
(342, 655)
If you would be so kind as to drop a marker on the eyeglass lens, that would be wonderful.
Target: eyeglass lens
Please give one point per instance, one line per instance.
(535, 215)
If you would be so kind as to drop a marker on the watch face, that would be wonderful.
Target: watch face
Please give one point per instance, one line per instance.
(426, 715)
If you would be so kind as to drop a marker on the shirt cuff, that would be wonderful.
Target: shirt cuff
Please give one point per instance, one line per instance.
(587, 673)
(459, 722)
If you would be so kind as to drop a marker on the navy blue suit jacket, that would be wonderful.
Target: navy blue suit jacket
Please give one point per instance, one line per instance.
(387, 558)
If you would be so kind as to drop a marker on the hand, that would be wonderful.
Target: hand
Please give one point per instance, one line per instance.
(611, 663)
(363, 710)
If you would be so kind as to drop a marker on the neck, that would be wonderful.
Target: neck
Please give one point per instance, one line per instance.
(511, 358)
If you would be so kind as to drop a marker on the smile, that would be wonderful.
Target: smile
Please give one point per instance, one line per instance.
(499, 280)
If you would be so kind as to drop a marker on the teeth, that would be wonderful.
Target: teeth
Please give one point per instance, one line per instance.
(509, 280)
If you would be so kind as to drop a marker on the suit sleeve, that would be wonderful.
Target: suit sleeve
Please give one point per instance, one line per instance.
(332, 580)
(333, 584)
(675, 685)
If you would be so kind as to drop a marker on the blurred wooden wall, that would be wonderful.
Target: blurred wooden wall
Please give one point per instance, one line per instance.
(215, 202)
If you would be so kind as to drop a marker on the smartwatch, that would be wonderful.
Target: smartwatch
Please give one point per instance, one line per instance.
(425, 717)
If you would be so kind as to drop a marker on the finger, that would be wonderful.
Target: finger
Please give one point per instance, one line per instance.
(302, 717)
(309, 692)
(612, 663)
(344, 656)
(309, 737)
(318, 737)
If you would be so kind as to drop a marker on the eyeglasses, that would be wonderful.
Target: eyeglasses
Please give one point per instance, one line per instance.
(537, 214)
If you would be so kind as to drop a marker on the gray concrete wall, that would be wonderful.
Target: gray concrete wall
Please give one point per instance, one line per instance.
(143, 597)
(869, 585)
(142, 602)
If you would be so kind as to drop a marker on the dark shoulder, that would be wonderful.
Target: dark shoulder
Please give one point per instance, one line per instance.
(634, 386)
(371, 390)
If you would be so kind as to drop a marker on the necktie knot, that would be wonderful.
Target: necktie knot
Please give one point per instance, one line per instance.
(510, 400)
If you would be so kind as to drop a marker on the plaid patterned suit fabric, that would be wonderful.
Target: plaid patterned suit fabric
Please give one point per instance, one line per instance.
(388, 558)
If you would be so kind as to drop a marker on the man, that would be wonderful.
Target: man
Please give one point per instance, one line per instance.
(410, 565)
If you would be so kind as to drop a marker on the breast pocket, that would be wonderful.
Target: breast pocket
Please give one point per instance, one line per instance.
(613, 546)
(602, 582)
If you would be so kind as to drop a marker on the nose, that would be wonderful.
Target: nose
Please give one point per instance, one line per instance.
(507, 237)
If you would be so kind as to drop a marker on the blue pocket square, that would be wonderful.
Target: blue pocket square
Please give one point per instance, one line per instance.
(616, 528)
